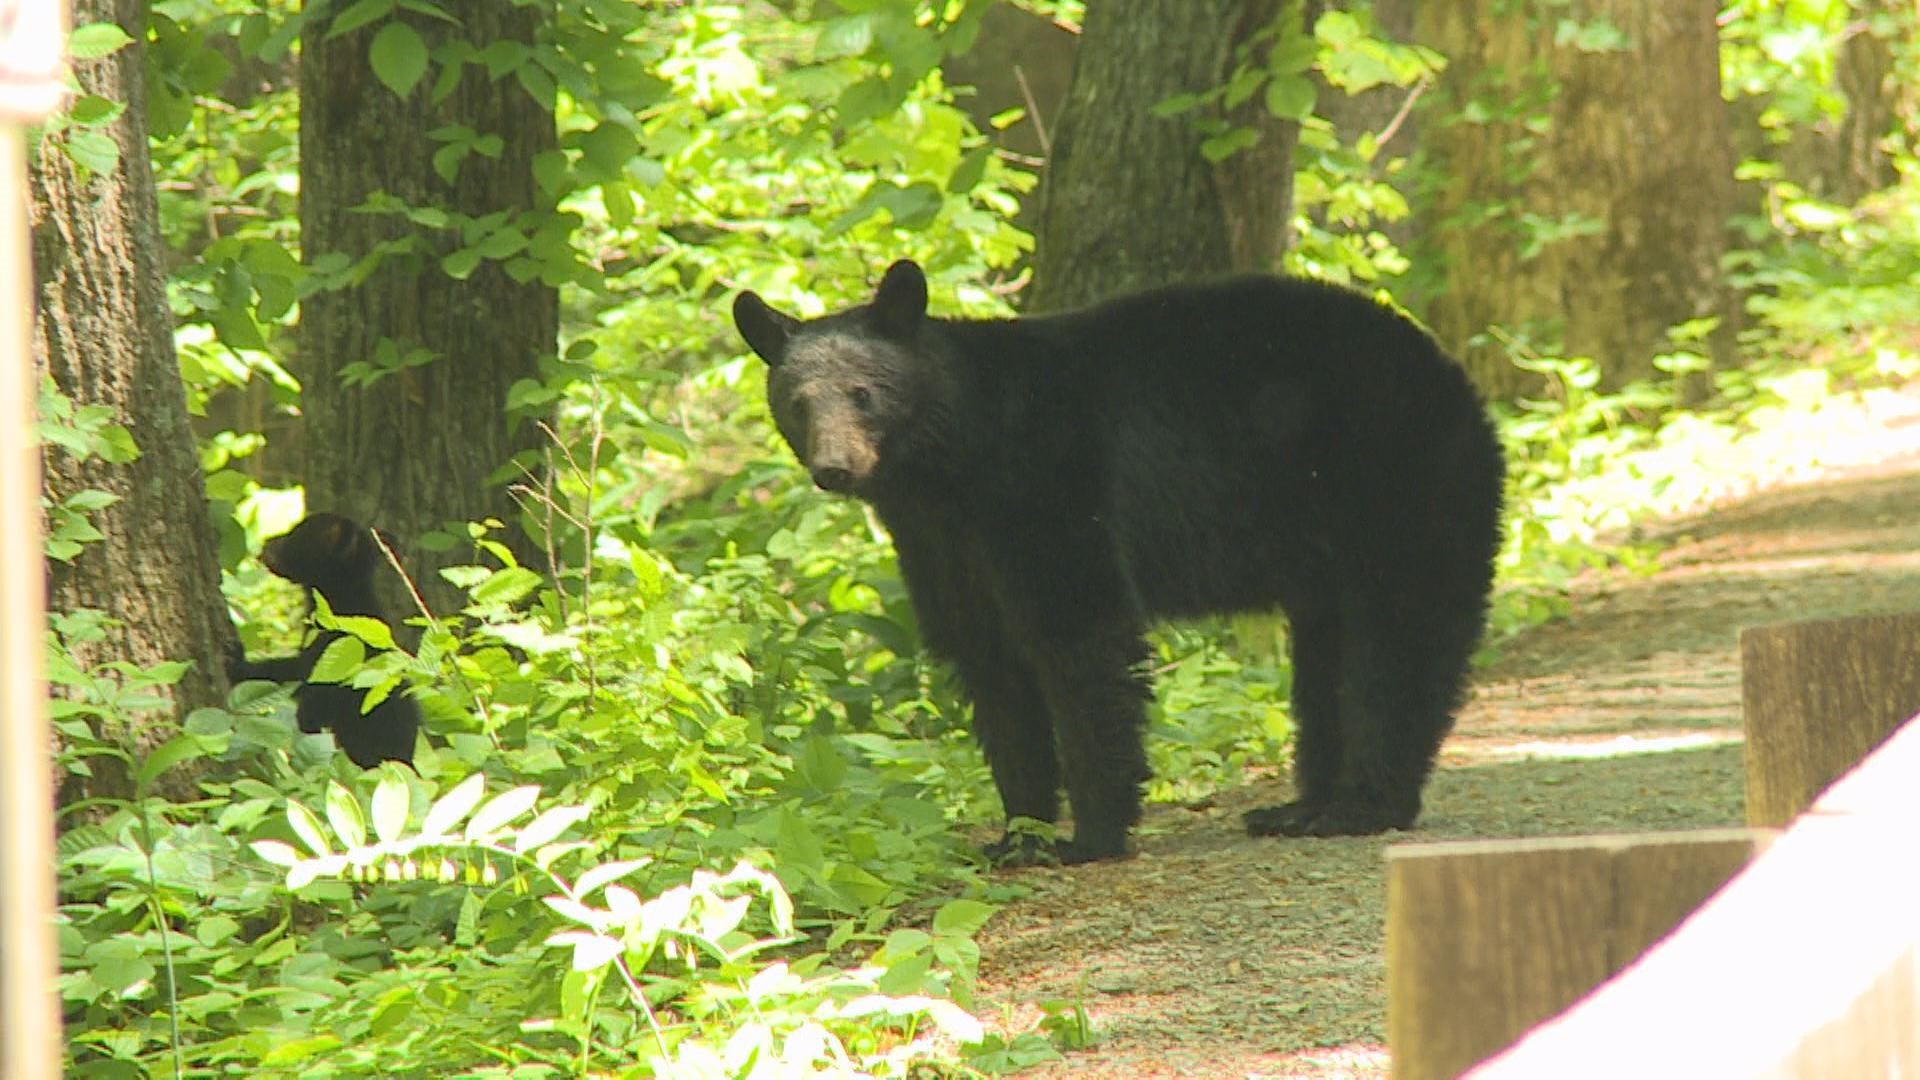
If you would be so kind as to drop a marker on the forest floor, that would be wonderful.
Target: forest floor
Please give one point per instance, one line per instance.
(1214, 955)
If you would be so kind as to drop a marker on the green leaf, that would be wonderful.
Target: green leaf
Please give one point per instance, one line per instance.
(1293, 54)
(1290, 97)
(502, 244)
(390, 801)
(92, 109)
(359, 15)
(447, 159)
(95, 40)
(307, 827)
(399, 57)
(274, 851)
(461, 264)
(1177, 104)
(548, 826)
(966, 175)
(368, 629)
(453, 807)
(506, 586)
(606, 873)
(850, 35)
(503, 808)
(343, 813)
(340, 660)
(962, 916)
(93, 150)
(1225, 145)
(168, 754)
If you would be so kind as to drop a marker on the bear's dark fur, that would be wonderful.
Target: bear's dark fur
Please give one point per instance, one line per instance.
(335, 557)
(1052, 484)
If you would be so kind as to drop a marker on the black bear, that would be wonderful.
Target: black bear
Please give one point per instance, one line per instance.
(335, 557)
(1054, 483)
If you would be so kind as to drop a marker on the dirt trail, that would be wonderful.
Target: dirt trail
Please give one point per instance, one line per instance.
(1215, 955)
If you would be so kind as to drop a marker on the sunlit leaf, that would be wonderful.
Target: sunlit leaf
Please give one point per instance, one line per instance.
(390, 801)
(343, 813)
(453, 807)
(501, 810)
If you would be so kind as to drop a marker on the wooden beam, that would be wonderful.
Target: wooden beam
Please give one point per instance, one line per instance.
(1487, 938)
(1806, 967)
(1818, 697)
(30, 88)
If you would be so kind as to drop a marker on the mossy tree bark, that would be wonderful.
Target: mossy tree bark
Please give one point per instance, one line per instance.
(103, 332)
(1585, 195)
(423, 447)
(1129, 200)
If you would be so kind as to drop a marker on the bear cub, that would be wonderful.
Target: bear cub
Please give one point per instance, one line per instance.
(1053, 484)
(335, 557)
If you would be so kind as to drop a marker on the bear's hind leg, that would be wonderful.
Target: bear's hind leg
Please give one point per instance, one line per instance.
(1402, 675)
(1318, 742)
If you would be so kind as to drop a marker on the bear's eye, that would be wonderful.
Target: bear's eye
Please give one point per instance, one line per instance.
(862, 398)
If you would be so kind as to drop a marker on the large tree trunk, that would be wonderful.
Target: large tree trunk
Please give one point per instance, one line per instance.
(105, 335)
(414, 451)
(1129, 202)
(1605, 229)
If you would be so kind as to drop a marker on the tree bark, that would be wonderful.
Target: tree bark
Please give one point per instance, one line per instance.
(104, 333)
(1129, 202)
(1864, 73)
(1636, 156)
(417, 450)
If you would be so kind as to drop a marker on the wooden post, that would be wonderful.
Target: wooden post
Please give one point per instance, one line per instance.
(30, 88)
(1805, 967)
(1487, 938)
(1818, 697)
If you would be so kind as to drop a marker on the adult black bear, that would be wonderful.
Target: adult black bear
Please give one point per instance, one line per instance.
(336, 557)
(1054, 483)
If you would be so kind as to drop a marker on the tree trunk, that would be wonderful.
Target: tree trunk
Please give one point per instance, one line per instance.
(416, 451)
(1863, 72)
(105, 335)
(1599, 232)
(1129, 201)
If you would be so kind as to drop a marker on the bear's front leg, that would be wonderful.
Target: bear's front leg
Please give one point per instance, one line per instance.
(1097, 697)
(1010, 720)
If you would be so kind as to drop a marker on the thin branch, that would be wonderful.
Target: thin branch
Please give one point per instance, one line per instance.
(1406, 109)
(1033, 110)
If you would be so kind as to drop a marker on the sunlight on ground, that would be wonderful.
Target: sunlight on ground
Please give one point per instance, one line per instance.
(1619, 746)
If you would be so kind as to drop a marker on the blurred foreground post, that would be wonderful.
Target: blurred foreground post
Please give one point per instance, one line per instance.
(31, 34)
(1485, 939)
(1818, 697)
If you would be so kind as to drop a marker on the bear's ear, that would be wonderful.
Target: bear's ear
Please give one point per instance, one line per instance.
(901, 301)
(765, 329)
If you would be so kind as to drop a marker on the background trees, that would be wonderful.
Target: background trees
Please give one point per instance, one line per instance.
(127, 480)
(436, 272)
(1588, 183)
(1137, 195)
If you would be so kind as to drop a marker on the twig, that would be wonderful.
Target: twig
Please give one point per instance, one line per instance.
(1406, 108)
(1033, 110)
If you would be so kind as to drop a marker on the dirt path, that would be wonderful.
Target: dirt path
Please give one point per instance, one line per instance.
(1214, 955)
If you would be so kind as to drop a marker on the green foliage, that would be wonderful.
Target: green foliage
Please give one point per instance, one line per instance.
(677, 980)
(78, 433)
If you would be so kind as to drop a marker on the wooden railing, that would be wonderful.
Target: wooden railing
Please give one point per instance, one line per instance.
(1806, 964)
